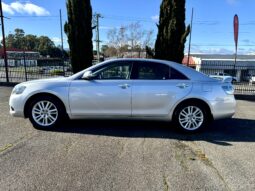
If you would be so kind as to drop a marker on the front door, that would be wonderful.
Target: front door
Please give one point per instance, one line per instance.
(108, 93)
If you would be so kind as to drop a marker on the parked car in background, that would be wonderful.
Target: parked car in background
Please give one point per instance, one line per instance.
(223, 76)
(250, 78)
(126, 89)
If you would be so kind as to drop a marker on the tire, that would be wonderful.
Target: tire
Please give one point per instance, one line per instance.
(46, 112)
(191, 117)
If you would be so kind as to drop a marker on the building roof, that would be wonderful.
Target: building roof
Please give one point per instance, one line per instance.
(223, 56)
(192, 61)
(15, 50)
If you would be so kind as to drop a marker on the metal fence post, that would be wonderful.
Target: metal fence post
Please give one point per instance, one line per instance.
(63, 61)
(3, 41)
(6, 68)
(25, 66)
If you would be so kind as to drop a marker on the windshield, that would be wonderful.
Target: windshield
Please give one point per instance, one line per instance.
(79, 74)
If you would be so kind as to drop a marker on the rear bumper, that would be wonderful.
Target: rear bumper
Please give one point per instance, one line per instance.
(223, 108)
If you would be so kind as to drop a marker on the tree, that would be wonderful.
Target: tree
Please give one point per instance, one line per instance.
(10, 41)
(79, 32)
(104, 48)
(135, 36)
(16, 40)
(56, 52)
(148, 41)
(172, 31)
(44, 45)
(118, 40)
(131, 37)
(108, 51)
(30, 42)
(149, 52)
(19, 38)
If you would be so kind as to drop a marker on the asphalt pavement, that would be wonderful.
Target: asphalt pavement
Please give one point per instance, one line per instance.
(127, 155)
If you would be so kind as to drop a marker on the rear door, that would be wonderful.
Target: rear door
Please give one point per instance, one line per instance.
(156, 88)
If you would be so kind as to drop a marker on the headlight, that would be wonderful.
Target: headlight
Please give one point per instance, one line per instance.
(18, 89)
(228, 89)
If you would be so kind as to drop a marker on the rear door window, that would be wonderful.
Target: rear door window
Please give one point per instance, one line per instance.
(155, 71)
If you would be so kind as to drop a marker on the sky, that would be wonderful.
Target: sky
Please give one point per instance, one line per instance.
(212, 24)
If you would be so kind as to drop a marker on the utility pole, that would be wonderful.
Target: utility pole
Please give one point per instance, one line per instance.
(190, 35)
(4, 45)
(62, 41)
(61, 31)
(97, 36)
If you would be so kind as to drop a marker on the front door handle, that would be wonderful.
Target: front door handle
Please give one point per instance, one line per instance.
(182, 85)
(124, 86)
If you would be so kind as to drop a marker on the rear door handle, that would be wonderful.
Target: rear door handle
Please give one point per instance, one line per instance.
(182, 85)
(124, 86)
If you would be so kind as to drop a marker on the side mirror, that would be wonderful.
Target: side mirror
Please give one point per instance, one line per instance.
(88, 75)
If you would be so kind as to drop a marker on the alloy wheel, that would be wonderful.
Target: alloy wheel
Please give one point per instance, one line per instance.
(191, 118)
(45, 113)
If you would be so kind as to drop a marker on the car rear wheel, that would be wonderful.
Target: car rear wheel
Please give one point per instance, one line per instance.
(45, 112)
(191, 117)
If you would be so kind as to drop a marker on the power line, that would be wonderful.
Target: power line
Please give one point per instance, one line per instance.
(127, 18)
(137, 19)
(34, 16)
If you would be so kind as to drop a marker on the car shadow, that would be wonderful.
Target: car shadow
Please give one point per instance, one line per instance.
(221, 132)
(245, 97)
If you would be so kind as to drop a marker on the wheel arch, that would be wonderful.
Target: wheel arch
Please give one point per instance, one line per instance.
(194, 100)
(31, 98)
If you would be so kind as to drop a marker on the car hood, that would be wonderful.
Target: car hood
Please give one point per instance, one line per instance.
(48, 80)
(57, 79)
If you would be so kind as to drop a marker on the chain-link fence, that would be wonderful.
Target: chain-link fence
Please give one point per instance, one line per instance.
(22, 69)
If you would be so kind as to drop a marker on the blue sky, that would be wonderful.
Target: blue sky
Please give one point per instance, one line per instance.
(212, 27)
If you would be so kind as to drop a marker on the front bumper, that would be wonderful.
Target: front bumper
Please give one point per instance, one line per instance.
(16, 104)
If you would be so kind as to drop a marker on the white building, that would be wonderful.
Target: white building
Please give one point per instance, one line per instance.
(17, 58)
(210, 64)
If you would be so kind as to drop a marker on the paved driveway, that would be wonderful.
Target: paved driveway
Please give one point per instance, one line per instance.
(122, 155)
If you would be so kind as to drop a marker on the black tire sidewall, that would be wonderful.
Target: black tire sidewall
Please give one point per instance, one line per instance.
(58, 106)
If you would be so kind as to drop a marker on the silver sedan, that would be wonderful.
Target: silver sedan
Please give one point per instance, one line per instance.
(126, 89)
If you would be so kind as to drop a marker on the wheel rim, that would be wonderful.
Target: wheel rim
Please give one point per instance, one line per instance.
(45, 113)
(191, 118)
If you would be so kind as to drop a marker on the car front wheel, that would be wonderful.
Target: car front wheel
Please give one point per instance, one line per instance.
(191, 117)
(45, 112)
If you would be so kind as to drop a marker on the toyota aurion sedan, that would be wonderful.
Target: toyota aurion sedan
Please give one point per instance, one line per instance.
(126, 89)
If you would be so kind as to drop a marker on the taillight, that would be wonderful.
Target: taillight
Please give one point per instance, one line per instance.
(228, 88)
